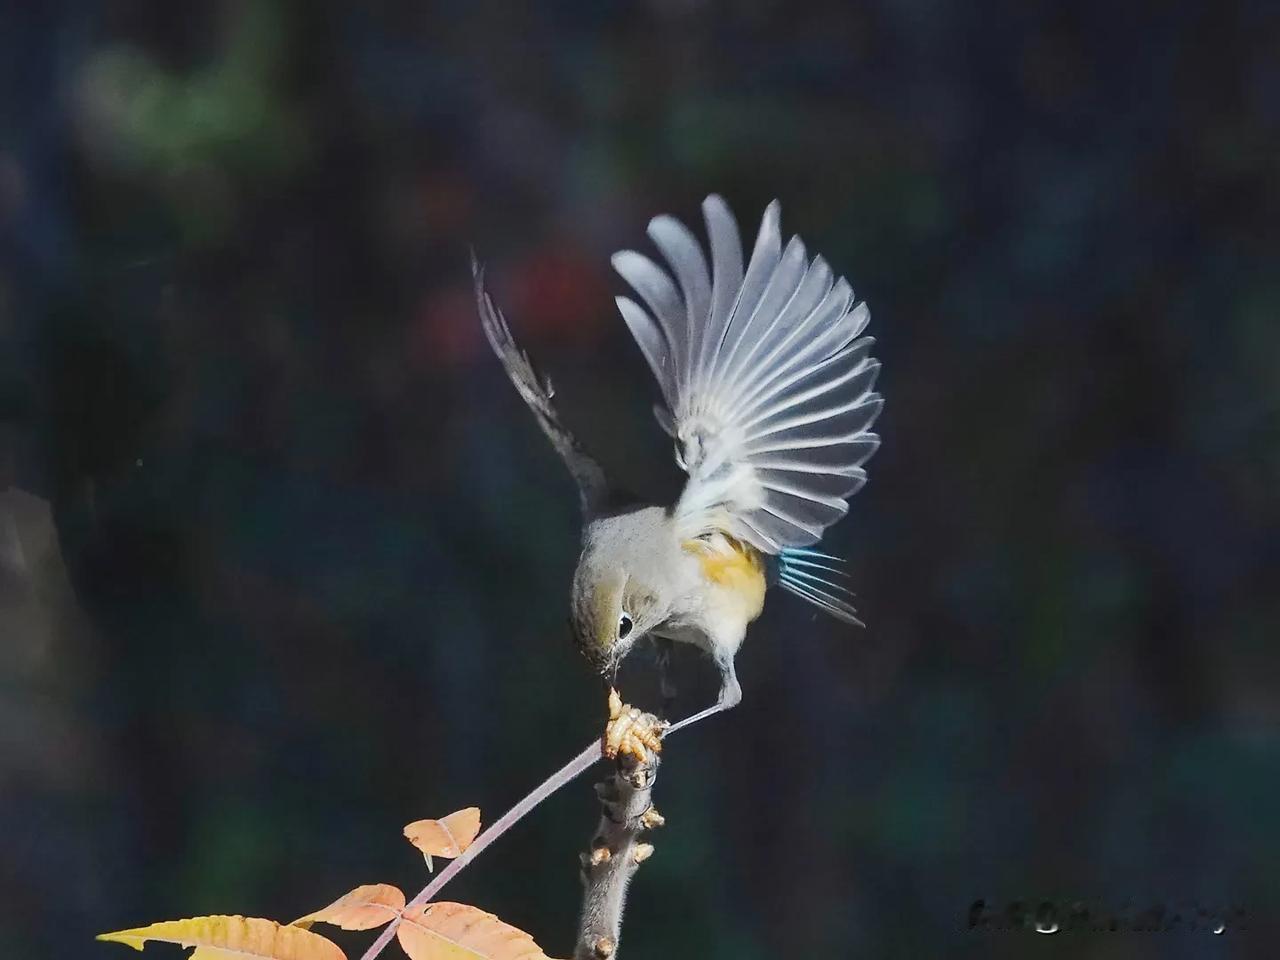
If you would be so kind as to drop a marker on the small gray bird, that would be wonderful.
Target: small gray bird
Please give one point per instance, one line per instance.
(767, 391)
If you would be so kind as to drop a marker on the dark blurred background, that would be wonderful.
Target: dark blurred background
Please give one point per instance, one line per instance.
(285, 562)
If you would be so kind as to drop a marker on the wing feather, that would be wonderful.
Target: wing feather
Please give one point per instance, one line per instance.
(660, 294)
(593, 487)
(727, 273)
(838, 458)
(653, 344)
(830, 486)
(812, 291)
(681, 249)
(764, 259)
(767, 382)
(815, 337)
(842, 374)
(783, 528)
(783, 286)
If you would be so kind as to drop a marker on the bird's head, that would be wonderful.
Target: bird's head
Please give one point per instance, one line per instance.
(612, 608)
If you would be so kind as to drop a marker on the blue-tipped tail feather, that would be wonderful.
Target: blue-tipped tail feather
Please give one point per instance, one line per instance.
(811, 576)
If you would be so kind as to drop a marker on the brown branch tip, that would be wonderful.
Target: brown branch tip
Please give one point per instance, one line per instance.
(616, 852)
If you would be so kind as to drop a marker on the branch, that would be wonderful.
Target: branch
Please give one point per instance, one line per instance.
(568, 772)
(496, 829)
(615, 854)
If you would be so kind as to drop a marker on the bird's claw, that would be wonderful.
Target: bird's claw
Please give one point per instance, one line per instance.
(631, 732)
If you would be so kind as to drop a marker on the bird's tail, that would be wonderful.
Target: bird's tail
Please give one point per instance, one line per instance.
(816, 577)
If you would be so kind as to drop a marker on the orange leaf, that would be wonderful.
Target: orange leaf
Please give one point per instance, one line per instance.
(364, 908)
(447, 837)
(233, 938)
(454, 931)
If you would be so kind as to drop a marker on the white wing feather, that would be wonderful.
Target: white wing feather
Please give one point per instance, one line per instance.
(766, 385)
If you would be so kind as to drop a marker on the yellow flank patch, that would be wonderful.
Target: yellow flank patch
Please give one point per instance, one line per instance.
(733, 565)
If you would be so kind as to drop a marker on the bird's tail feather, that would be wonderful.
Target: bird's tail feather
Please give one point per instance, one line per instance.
(815, 577)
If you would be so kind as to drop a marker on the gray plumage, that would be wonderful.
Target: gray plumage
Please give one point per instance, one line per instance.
(767, 387)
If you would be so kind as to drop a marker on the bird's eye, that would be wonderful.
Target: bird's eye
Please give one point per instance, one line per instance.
(624, 626)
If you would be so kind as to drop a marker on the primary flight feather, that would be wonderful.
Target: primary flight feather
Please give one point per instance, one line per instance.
(767, 387)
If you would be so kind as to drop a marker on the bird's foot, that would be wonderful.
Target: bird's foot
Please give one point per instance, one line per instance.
(631, 732)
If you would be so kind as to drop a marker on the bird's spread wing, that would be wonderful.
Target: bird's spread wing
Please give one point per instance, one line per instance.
(766, 384)
(592, 486)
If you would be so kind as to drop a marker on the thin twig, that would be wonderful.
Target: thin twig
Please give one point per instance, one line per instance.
(615, 854)
(570, 771)
(496, 829)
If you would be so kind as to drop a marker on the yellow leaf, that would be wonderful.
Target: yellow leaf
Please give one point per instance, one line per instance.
(447, 837)
(454, 931)
(364, 908)
(233, 938)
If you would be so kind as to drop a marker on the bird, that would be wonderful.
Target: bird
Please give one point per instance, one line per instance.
(767, 388)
